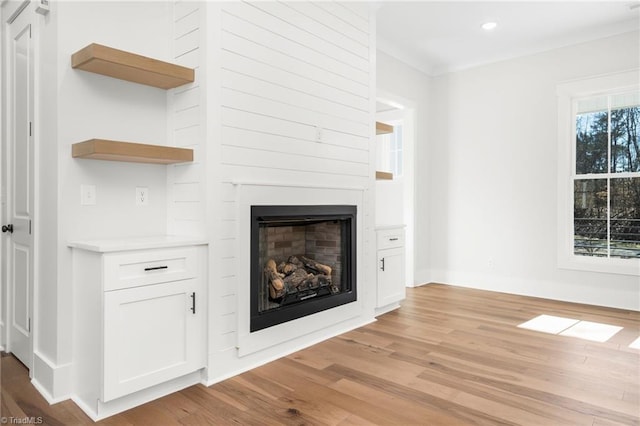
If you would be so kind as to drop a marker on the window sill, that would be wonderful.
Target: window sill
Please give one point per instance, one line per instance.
(602, 265)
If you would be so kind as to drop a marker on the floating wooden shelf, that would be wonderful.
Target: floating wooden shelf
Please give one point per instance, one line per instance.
(383, 129)
(101, 149)
(384, 175)
(131, 67)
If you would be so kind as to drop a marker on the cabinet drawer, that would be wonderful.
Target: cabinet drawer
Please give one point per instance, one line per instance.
(149, 267)
(390, 238)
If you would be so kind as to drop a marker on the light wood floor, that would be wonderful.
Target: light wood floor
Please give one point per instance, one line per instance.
(449, 356)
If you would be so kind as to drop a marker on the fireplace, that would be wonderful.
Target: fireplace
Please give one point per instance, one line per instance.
(303, 261)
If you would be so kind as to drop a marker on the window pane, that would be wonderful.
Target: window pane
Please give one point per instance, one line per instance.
(396, 151)
(590, 217)
(591, 142)
(625, 147)
(625, 217)
(393, 141)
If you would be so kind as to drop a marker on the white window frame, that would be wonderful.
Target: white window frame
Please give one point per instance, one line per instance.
(567, 94)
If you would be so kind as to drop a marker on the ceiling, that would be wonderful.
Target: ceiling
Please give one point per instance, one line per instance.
(437, 37)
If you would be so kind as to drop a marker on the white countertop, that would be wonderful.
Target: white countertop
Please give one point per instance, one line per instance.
(136, 243)
(384, 227)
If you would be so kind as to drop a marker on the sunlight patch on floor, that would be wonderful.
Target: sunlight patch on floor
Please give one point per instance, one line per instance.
(548, 324)
(635, 344)
(593, 331)
(587, 330)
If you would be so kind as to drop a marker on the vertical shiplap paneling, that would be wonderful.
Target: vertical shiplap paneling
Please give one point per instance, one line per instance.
(295, 93)
(186, 129)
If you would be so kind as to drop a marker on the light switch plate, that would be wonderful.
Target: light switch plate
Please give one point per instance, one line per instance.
(88, 195)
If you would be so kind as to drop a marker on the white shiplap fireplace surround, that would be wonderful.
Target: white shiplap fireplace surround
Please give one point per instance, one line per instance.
(282, 113)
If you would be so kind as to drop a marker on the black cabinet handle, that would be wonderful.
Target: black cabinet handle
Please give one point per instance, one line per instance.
(193, 302)
(393, 239)
(7, 228)
(382, 260)
(155, 268)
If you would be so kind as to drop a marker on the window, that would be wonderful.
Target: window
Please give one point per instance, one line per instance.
(606, 182)
(599, 174)
(390, 151)
(395, 151)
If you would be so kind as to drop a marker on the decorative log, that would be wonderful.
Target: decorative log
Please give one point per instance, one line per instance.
(320, 280)
(296, 277)
(294, 260)
(287, 268)
(273, 293)
(324, 280)
(316, 267)
(276, 284)
(312, 282)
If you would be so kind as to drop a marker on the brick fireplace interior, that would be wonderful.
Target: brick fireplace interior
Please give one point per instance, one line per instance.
(302, 261)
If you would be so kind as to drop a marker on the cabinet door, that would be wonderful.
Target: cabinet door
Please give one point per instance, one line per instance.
(152, 335)
(391, 286)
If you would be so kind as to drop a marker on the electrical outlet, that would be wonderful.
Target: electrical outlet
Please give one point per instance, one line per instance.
(88, 195)
(142, 196)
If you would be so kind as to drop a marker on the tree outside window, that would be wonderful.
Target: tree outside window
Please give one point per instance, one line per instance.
(606, 187)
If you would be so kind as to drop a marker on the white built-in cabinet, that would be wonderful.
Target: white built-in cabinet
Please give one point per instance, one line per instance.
(391, 265)
(140, 312)
(139, 304)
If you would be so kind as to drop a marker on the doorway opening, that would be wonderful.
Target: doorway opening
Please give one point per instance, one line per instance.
(395, 152)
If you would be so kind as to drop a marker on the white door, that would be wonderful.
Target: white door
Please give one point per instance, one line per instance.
(20, 195)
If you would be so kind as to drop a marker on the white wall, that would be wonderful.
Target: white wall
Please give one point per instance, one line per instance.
(96, 106)
(492, 173)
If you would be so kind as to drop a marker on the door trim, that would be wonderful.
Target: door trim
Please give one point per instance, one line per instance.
(19, 7)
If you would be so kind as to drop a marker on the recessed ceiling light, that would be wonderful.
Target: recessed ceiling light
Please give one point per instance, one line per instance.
(489, 26)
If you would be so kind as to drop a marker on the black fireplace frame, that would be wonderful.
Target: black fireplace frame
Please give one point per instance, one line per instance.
(296, 214)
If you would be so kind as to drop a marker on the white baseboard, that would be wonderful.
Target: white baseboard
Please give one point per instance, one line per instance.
(51, 380)
(390, 307)
(421, 277)
(127, 402)
(579, 292)
(45, 393)
(85, 408)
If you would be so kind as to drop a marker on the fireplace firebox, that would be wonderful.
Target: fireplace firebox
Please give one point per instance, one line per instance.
(303, 261)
